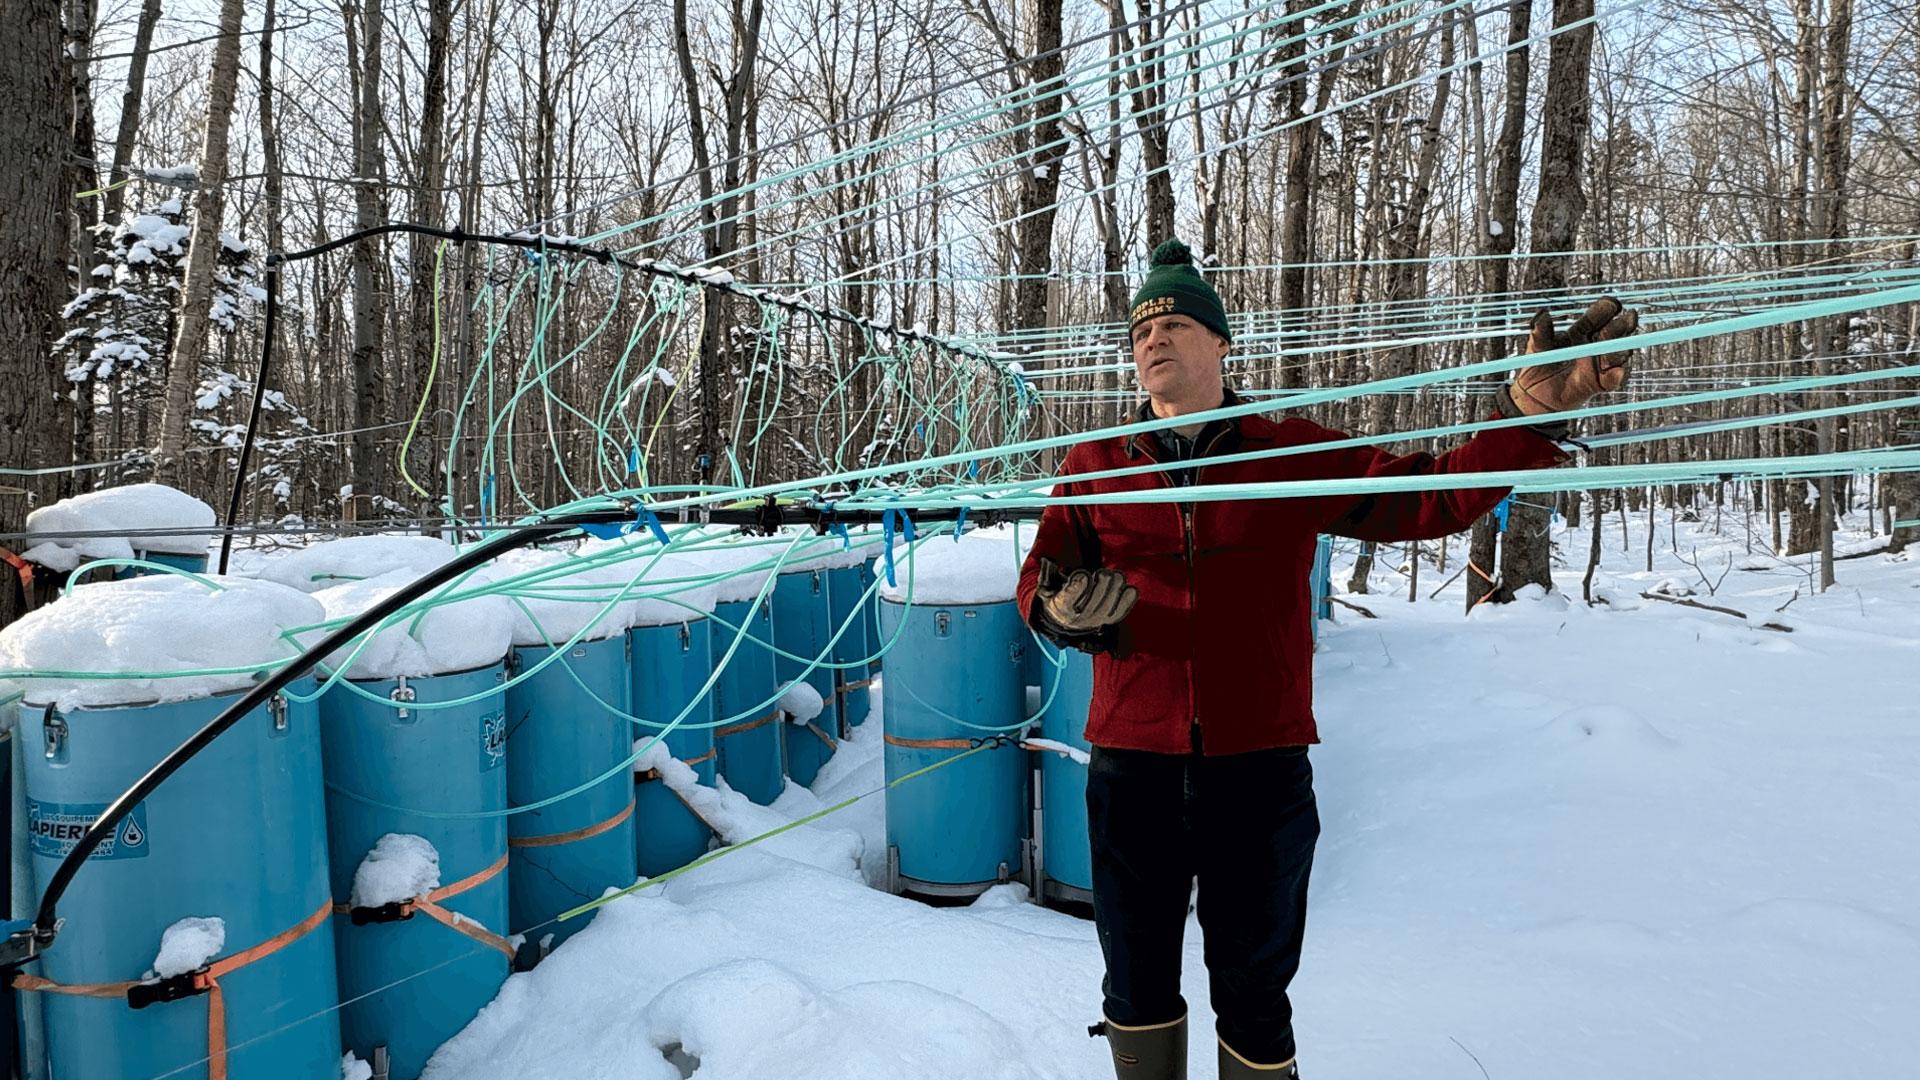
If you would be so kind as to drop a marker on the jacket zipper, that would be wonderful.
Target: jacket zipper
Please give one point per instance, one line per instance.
(1193, 591)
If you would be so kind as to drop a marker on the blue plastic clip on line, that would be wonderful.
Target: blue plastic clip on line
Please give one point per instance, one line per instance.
(1500, 513)
(633, 460)
(886, 540)
(959, 523)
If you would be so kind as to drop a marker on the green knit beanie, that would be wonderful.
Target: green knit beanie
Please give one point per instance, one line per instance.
(1174, 285)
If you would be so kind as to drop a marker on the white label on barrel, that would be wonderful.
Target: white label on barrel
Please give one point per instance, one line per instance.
(493, 740)
(57, 827)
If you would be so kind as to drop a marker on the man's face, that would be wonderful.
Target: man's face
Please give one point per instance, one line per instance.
(1177, 358)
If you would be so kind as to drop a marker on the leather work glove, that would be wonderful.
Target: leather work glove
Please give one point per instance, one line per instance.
(1569, 384)
(1080, 608)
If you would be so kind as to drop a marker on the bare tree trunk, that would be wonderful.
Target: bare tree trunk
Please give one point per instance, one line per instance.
(1040, 170)
(1528, 555)
(429, 204)
(370, 166)
(719, 222)
(1830, 224)
(1148, 82)
(209, 205)
(34, 127)
(1502, 227)
(1303, 149)
(130, 108)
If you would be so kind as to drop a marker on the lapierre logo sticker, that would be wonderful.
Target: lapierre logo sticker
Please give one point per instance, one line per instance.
(56, 827)
(493, 741)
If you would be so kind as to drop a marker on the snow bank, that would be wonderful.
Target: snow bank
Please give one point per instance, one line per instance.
(446, 638)
(352, 1068)
(127, 509)
(187, 945)
(153, 624)
(552, 608)
(400, 867)
(981, 566)
(322, 566)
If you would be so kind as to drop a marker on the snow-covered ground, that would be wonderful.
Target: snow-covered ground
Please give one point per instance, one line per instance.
(1636, 840)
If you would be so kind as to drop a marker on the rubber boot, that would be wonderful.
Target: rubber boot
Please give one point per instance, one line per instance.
(1154, 1052)
(1235, 1067)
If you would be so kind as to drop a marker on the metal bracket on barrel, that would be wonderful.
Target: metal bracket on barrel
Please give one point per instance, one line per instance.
(23, 943)
(53, 733)
(277, 708)
(393, 911)
(404, 694)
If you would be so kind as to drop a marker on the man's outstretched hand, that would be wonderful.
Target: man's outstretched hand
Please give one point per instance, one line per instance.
(1569, 384)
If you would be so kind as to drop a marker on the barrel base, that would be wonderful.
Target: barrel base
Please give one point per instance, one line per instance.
(1051, 890)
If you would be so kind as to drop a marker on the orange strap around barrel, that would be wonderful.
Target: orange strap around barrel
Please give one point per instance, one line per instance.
(824, 737)
(993, 741)
(928, 744)
(206, 980)
(556, 839)
(23, 568)
(858, 684)
(453, 920)
(654, 774)
(747, 725)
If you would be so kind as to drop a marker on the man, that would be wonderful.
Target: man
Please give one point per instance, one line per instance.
(1200, 621)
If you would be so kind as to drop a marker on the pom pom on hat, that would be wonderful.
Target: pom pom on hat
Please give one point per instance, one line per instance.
(1172, 253)
(1173, 286)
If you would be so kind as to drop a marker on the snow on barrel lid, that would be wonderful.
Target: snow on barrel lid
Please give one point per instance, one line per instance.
(140, 627)
(324, 565)
(671, 589)
(981, 566)
(828, 552)
(132, 509)
(449, 637)
(565, 593)
(739, 565)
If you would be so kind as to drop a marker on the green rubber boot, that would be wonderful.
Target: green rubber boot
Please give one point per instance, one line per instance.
(1154, 1052)
(1235, 1067)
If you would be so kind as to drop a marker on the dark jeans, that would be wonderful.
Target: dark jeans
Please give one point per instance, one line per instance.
(1245, 825)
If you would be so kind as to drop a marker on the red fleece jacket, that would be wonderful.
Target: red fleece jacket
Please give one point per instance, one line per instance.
(1221, 635)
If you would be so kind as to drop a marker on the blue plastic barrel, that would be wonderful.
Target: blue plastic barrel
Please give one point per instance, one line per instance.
(565, 726)
(1320, 581)
(423, 980)
(752, 746)
(1066, 862)
(956, 831)
(193, 563)
(846, 595)
(802, 621)
(870, 611)
(671, 665)
(239, 834)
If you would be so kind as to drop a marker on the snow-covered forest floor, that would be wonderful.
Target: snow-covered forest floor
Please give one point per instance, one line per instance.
(1560, 841)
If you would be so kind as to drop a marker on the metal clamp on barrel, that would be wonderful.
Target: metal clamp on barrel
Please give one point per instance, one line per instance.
(173, 988)
(393, 911)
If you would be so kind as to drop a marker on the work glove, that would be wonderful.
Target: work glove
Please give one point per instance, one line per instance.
(1082, 607)
(1569, 384)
